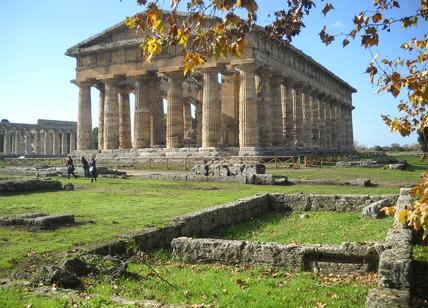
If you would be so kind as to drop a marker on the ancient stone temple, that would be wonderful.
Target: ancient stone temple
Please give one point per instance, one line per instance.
(47, 137)
(272, 100)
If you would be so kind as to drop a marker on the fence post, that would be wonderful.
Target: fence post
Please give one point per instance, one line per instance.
(276, 162)
(185, 164)
(167, 167)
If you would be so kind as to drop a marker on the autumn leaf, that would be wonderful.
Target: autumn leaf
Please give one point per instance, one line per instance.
(404, 213)
(327, 8)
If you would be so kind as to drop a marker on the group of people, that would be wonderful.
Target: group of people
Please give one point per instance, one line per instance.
(90, 168)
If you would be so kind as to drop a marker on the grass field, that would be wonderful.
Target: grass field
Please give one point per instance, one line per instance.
(318, 227)
(174, 282)
(119, 206)
(396, 178)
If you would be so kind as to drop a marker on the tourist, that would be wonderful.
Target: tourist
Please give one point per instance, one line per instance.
(85, 165)
(70, 167)
(93, 169)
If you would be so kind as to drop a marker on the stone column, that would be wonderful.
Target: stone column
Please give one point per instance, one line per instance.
(41, 142)
(187, 121)
(211, 109)
(298, 101)
(307, 118)
(264, 96)
(157, 112)
(28, 148)
(276, 103)
(142, 114)
(101, 109)
(19, 142)
(341, 126)
(288, 99)
(64, 149)
(230, 109)
(322, 120)
(248, 118)
(84, 117)
(72, 141)
(315, 118)
(124, 120)
(350, 128)
(6, 142)
(56, 142)
(333, 121)
(174, 122)
(47, 143)
(111, 116)
(198, 120)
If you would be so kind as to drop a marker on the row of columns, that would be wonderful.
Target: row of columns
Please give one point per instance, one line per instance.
(252, 108)
(15, 141)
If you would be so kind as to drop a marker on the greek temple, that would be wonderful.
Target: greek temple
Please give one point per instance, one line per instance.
(47, 137)
(273, 100)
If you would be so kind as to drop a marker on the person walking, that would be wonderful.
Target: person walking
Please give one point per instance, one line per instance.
(70, 167)
(85, 165)
(93, 169)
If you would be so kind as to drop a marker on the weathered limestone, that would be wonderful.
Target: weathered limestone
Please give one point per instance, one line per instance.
(248, 120)
(84, 118)
(288, 121)
(111, 116)
(264, 95)
(187, 121)
(174, 125)
(307, 118)
(276, 111)
(56, 142)
(124, 120)
(157, 117)
(230, 109)
(18, 186)
(315, 119)
(142, 113)
(101, 109)
(348, 257)
(298, 102)
(211, 110)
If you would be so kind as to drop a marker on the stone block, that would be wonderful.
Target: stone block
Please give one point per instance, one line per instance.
(373, 210)
(52, 221)
(387, 298)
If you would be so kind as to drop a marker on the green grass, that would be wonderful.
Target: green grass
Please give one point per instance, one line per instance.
(383, 178)
(231, 286)
(218, 285)
(319, 227)
(122, 206)
(420, 252)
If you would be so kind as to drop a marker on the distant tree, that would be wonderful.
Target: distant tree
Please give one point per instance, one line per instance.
(95, 137)
(377, 148)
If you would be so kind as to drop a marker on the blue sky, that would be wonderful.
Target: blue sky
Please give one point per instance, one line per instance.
(35, 74)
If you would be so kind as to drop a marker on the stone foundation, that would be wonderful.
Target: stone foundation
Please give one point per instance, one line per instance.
(42, 221)
(18, 186)
(345, 258)
(204, 222)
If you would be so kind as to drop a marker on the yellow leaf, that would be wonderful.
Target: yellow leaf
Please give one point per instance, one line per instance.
(403, 215)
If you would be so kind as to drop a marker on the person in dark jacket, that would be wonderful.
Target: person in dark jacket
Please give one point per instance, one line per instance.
(93, 169)
(70, 167)
(85, 165)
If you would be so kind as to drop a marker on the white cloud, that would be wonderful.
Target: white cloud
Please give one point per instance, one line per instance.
(337, 24)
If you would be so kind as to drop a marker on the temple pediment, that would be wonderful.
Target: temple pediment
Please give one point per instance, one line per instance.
(118, 34)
